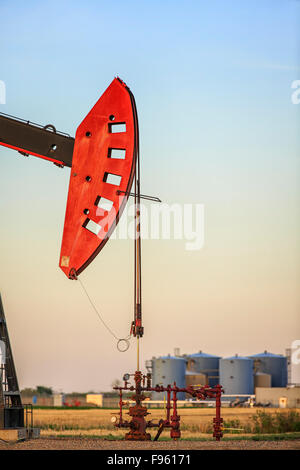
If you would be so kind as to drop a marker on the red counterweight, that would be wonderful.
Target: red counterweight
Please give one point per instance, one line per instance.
(102, 173)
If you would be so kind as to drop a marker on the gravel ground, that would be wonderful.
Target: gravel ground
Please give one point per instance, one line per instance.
(97, 444)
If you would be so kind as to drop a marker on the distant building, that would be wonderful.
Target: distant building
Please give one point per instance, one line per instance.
(95, 399)
(58, 399)
(281, 397)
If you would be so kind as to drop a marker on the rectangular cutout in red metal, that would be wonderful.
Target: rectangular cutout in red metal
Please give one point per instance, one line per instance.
(103, 203)
(117, 153)
(91, 226)
(110, 178)
(117, 127)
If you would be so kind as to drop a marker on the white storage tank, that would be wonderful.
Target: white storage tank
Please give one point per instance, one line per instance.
(236, 375)
(273, 364)
(207, 364)
(165, 371)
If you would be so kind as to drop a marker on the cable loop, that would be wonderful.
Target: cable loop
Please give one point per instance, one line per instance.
(126, 345)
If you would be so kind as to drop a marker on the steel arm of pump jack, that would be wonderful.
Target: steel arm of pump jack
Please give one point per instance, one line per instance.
(32, 139)
(43, 142)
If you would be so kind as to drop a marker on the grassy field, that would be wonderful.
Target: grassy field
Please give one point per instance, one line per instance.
(195, 423)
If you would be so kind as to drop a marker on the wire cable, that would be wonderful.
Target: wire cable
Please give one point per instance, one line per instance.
(120, 341)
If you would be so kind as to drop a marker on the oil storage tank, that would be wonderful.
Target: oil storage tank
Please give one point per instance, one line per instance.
(165, 371)
(202, 363)
(262, 380)
(236, 375)
(273, 364)
(195, 379)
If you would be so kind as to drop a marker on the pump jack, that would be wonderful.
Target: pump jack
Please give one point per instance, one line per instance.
(105, 148)
(11, 408)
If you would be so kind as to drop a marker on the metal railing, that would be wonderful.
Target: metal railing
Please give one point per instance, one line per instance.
(28, 412)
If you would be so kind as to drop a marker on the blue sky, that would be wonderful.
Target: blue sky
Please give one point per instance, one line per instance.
(212, 81)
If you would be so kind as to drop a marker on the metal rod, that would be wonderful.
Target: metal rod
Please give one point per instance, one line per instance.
(142, 196)
(137, 324)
